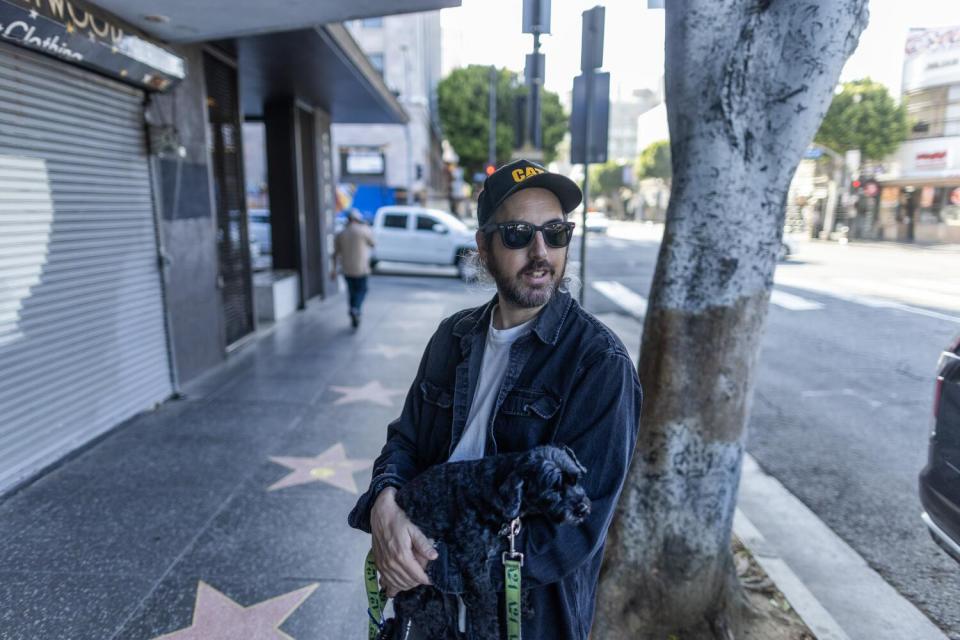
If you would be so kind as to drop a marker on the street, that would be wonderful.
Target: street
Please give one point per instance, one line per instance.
(842, 403)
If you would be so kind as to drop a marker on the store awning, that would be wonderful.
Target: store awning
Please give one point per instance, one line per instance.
(193, 21)
(323, 67)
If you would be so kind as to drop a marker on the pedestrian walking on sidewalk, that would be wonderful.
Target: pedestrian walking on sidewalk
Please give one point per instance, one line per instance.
(530, 367)
(352, 246)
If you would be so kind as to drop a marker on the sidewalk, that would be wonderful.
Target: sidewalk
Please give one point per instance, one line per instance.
(117, 542)
(226, 509)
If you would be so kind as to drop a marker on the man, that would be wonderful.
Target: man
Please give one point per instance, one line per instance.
(530, 367)
(353, 245)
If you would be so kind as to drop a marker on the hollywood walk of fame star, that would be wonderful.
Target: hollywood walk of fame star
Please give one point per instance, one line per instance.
(332, 467)
(217, 617)
(371, 392)
(391, 352)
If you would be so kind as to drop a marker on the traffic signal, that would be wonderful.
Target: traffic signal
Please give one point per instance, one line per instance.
(489, 169)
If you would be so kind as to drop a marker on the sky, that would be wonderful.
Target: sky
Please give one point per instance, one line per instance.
(488, 32)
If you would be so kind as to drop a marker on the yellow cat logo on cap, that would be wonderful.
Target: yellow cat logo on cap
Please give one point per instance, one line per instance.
(519, 175)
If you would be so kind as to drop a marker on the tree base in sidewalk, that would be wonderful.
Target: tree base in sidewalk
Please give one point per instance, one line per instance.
(768, 615)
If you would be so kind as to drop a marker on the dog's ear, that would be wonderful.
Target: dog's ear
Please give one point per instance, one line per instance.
(511, 495)
(570, 464)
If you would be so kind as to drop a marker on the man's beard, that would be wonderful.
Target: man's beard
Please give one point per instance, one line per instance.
(514, 291)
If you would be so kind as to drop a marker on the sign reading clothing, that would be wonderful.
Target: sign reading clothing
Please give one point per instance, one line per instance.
(77, 34)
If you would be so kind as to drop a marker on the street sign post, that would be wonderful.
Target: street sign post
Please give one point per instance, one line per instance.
(586, 123)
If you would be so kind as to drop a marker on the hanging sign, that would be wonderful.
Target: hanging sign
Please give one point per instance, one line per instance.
(80, 35)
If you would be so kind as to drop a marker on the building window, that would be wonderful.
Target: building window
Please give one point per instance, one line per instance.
(934, 111)
(372, 23)
(376, 59)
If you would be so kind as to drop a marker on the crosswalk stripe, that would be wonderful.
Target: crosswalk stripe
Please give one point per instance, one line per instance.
(635, 305)
(792, 302)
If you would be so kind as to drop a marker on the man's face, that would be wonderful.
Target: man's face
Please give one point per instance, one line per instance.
(530, 276)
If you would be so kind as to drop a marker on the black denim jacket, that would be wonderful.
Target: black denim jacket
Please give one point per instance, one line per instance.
(569, 381)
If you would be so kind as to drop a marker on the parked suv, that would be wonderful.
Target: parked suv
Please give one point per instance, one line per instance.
(419, 235)
(940, 480)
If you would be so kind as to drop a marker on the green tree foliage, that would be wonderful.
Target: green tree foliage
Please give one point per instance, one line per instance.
(654, 161)
(606, 179)
(463, 100)
(864, 116)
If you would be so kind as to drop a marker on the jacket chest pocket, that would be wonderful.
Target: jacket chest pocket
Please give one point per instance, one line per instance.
(525, 420)
(437, 407)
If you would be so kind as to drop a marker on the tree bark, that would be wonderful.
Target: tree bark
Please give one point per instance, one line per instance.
(747, 84)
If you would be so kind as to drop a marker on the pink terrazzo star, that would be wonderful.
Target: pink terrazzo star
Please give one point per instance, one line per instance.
(217, 617)
(332, 466)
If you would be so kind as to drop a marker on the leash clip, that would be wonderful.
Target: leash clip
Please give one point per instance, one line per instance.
(511, 530)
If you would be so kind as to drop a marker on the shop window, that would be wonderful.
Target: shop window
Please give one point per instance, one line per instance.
(951, 208)
(372, 23)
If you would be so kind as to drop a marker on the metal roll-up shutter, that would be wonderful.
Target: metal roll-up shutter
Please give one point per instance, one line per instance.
(82, 333)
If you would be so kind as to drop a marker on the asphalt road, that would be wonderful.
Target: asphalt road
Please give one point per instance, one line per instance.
(843, 399)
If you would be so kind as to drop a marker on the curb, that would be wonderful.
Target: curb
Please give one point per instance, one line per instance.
(822, 577)
(813, 614)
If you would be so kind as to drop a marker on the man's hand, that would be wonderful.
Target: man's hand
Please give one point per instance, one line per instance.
(400, 549)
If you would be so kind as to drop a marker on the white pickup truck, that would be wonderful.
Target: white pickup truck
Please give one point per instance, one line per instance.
(423, 236)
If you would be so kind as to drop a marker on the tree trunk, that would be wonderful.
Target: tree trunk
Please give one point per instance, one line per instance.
(747, 83)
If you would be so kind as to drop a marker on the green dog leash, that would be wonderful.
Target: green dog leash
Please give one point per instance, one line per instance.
(512, 562)
(376, 598)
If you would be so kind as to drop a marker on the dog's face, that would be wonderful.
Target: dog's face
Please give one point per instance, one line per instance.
(546, 481)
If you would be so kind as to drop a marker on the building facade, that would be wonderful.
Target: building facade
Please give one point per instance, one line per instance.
(919, 194)
(125, 266)
(397, 158)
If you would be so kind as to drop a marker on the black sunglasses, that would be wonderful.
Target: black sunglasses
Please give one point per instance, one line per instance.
(518, 235)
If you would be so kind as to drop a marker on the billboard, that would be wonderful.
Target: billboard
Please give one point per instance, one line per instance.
(932, 58)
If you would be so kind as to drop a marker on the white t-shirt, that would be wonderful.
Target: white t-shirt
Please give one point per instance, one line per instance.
(496, 356)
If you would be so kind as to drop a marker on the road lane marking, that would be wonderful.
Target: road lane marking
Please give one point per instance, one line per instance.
(635, 305)
(792, 302)
(865, 300)
(850, 393)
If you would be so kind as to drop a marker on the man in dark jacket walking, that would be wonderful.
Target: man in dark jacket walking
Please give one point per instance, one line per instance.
(530, 367)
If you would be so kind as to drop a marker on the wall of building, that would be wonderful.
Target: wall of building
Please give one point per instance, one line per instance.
(187, 220)
(409, 48)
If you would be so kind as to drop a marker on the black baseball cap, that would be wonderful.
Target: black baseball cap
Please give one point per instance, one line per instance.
(523, 174)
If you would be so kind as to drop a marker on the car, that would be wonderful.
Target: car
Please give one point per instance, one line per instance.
(597, 222)
(422, 236)
(940, 479)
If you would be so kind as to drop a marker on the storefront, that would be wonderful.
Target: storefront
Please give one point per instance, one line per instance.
(919, 195)
(83, 340)
(922, 201)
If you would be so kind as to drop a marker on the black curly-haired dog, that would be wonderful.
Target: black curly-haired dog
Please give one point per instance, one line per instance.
(464, 505)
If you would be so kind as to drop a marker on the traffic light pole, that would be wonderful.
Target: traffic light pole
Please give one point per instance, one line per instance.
(535, 129)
